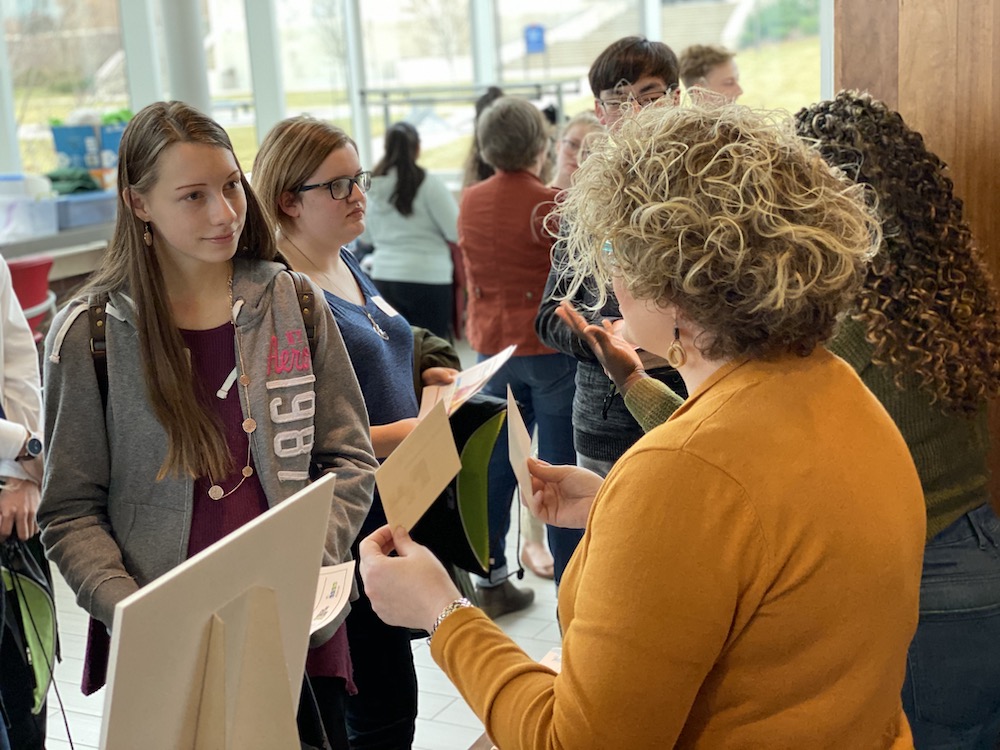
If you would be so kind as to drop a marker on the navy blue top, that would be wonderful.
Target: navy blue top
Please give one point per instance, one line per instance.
(384, 367)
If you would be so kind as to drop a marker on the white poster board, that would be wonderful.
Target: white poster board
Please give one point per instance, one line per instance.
(212, 654)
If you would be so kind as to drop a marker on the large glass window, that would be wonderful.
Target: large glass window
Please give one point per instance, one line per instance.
(559, 42)
(418, 65)
(230, 82)
(777, 45)
(314, 59)
(67, 66)
(66, 60)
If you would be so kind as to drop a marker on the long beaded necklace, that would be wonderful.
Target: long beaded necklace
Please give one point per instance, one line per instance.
(340, 289)
(249, 424)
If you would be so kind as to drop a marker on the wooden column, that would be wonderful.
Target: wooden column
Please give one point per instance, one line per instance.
(936, 63)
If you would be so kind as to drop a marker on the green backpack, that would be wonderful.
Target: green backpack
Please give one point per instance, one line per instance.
(456, 526)
(29, 619)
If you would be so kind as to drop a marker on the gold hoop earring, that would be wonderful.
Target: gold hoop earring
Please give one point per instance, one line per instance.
(147, 236)
(676, 356)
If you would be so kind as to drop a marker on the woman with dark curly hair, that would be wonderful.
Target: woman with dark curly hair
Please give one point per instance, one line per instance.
(770, 533)
(925, 338)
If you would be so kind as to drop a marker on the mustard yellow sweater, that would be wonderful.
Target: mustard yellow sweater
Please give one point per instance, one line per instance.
(748, 579)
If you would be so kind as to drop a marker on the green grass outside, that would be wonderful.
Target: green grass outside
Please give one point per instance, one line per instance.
(781, 76)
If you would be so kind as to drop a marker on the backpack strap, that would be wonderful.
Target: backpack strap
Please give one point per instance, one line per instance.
(307, 304)
(98, 343)
(98, 324)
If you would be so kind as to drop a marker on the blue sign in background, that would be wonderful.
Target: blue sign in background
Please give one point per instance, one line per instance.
(534, 38)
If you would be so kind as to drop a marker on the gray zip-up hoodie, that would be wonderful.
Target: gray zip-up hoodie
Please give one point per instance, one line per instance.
(107, 523)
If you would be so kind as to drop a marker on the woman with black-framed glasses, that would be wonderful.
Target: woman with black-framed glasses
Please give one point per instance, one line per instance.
(309, 180)
(341, 188)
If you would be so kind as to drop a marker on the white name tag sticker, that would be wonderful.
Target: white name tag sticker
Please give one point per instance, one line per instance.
(384, 306)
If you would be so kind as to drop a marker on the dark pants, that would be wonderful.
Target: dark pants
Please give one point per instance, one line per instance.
(543, 386)
(321, 717)
(331, 699)
(382, 716)
(952, 691)
(423, 305)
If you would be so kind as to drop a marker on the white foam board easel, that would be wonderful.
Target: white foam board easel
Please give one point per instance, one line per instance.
(210, 656)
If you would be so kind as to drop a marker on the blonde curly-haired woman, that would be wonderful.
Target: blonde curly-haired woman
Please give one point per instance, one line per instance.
(750, 569)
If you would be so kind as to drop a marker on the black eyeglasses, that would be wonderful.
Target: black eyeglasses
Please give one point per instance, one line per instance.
(341, 187)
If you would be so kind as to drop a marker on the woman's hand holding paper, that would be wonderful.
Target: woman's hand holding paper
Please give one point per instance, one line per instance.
(438, 375)
(409, 590)
(562, 494)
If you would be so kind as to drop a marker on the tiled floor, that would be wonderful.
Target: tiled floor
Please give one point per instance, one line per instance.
(444, 721)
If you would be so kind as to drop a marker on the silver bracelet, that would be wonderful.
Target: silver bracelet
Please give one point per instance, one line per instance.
(455, 605)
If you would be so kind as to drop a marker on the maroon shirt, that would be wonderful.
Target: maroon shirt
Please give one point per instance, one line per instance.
(213, 358)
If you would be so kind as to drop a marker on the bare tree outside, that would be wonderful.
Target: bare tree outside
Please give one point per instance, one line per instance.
(329, 23)
(441, 28)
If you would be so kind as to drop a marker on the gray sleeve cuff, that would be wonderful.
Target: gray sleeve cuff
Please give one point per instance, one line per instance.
(107, 595)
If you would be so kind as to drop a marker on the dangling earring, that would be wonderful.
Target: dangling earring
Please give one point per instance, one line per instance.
(676, 356)
(147, 236)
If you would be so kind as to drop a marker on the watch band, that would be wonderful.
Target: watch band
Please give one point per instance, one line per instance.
(454, 606)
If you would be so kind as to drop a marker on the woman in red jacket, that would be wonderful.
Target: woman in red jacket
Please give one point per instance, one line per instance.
(506, 250)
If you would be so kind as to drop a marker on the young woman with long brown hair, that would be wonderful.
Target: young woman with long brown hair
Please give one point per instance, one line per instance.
(216, 406)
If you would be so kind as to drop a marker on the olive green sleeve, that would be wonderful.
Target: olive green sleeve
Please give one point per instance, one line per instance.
(651, 402)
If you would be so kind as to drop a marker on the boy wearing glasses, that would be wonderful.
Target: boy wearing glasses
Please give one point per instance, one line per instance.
(630, 74)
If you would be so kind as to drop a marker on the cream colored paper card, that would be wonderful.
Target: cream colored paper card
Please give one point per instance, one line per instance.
(553, 660)
(332, 593)
(413, 476)
(431, 394)
(519, 445)
(469, 382)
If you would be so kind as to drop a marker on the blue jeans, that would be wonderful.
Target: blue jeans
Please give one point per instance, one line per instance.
(952, 690)
(543, 386)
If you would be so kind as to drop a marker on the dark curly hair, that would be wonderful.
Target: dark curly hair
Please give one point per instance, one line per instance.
(928, 302)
